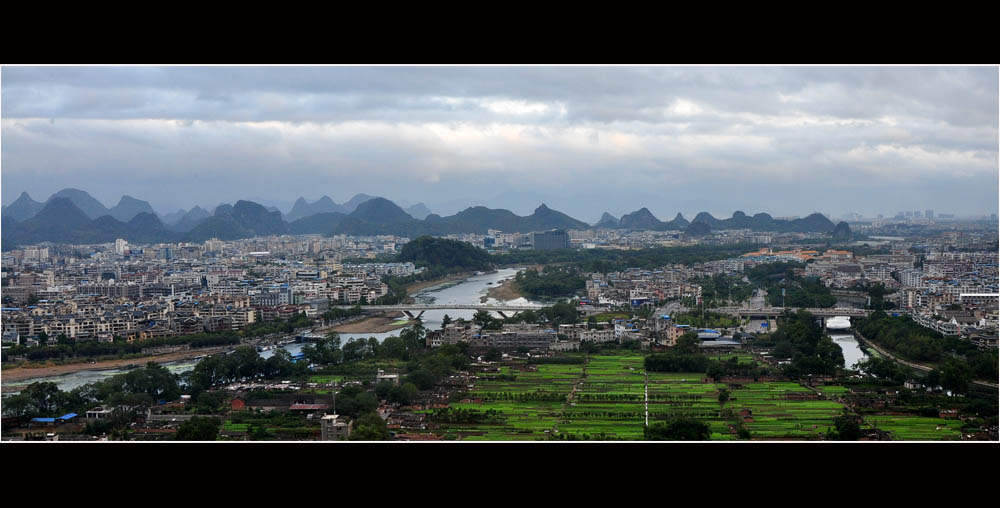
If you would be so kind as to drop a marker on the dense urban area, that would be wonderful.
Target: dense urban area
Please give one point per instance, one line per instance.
(330, 323)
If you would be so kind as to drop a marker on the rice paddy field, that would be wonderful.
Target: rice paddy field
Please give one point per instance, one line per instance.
(605, 398)
(911, 427)
(531, 405)
(609, 399)
(775, 416)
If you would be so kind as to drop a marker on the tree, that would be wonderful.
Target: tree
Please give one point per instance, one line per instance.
(404, 394)
(482, 317)
(39, 399)
(422, 378)
(370, 427)
(493, 355)
(445, 321)
(847, 428)
(120, 420)
(199, 428)
(383, 389)
(955, 376)
(933, 378)
(209, 402)
(392, 347)
(742, 432)
(352, 401)
(43, 338)
(678, 429)
(688, 343)
(723, 395)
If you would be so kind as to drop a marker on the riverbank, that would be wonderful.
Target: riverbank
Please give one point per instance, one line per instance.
(925, 368)
(375, 324)
(22, 373)
(420, 286)
(505, 291)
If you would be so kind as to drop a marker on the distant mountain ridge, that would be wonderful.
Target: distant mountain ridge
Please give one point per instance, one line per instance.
(128, 207)
(23, 208)
(302, 208)
(644, 219)
(84, 201)
(418, 211)
(607, 221)
(64, 219)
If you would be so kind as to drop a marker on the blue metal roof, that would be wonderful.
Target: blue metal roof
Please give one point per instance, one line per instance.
(68, 416)
(44, 420)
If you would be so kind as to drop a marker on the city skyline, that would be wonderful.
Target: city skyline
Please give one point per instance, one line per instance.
(583, 140)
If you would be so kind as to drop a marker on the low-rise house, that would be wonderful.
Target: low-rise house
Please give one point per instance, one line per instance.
(335, 428)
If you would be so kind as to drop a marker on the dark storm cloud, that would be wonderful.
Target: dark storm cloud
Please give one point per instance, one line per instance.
(585, 136)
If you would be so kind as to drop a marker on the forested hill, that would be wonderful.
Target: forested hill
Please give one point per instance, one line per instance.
(432, 252)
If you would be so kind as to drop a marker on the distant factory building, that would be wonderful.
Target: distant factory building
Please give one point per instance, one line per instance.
(547, 240)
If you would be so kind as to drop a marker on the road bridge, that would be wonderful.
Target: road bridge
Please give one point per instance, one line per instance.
(771, 314)
(777, 311)
(409, 309)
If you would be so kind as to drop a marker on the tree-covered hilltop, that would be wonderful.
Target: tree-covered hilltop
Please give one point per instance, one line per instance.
(439, 254)
(553, 282)
(440, 257)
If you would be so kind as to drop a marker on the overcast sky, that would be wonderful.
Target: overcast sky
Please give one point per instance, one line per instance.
(583, 140)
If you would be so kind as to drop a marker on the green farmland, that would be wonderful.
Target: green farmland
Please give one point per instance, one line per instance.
(910, 427)
(605, 398)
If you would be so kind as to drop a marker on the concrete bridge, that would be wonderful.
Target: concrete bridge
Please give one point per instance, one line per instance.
(503, 310)
(777, 311)
(771, 313)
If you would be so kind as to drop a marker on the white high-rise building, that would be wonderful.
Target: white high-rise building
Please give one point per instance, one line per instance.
(120, 246)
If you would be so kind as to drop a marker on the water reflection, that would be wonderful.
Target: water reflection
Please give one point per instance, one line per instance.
(852, 350)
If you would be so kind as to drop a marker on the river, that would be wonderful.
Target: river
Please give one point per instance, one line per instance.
(468, 291)
(849, 345)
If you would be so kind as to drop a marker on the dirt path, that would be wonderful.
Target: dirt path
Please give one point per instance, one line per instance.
(569, 398)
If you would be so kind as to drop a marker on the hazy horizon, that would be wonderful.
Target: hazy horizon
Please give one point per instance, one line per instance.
(583, 140)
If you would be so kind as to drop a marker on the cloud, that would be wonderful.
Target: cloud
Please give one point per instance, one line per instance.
(610, 135)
